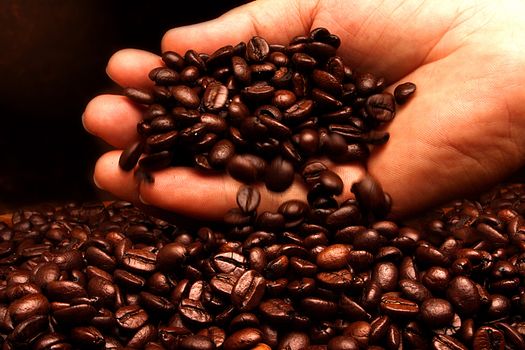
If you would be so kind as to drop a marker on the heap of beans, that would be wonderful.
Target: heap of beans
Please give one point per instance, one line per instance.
(94, 277)
(256, 110)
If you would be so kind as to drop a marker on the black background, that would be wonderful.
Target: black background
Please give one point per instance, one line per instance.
(52, 62)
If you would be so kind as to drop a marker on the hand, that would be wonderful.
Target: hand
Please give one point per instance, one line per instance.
(462, 131)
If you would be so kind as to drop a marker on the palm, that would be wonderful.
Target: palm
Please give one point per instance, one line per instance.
(459, 133)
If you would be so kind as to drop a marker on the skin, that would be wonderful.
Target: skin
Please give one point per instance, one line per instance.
(460, 133)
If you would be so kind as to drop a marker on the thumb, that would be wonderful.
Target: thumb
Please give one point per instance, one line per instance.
(277, 21)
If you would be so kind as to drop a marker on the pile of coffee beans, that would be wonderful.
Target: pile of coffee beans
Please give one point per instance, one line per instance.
(256, 109)
(89, 276)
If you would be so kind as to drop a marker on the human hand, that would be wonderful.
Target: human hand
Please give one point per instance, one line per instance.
(461, 132)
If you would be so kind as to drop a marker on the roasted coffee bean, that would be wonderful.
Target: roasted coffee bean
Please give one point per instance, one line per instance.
(279, 174)
(403, 92)
(398, 307)
(464, 295)
(130, 156)
(333, 257)
(248, 199)
(28, 306)
(64, 290)
(257, 49)
(488, 337)
(246, 338)
(139, 95)
(277, 311)
(436, 312)
(131, 317)
(370, 196)
(385, 274)
(445, 342)
(248, 290)
(381, 107)
(246, 168)
(139, 260)
(88, 338)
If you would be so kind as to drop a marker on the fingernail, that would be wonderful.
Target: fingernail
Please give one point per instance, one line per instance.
(84, 123)
(142, 200)
(97, 184)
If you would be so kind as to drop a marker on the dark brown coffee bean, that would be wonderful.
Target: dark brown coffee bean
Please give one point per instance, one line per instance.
(279, 175)
(215, 97)
(173, 60)
(75, 314)
(336, 280)
(248, 199)
(64, 290)
(244, 339)
(284, 99)
(88, 338)
(331, 182)
(277, 311)
(131, 317)
(196, 342)
(156, 161)
(139, 260)
(248, 291)
(381, 107)
(257, 49)
(258, 92)
(156, 304)
(130, 156)
(194, 59)
(299, 111)
(27, 331)
(102, 289)
(185, 96)
(385, 274)
(128, 280)
(398, 307)
(246, 168)
(99, 258)
(436, 312)
(141, 96)
(324, 309)
(28, 306)
(445, 342)
(164, 76)
(230, 262)
(403, 92)
(488, 337)
(370, 196)
(464, 295)
(333, 257)
(414, 290)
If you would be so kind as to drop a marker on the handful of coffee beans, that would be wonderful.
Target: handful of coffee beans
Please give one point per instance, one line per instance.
(260, 111)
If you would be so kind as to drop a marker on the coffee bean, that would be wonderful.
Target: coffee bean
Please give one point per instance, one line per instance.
(246, 338)
(464, 295)
(88, 338)
(248, 291)
(246, 168)
(370, 196)
(279, 174)
(215, 97)
(333, 257)
(248, 199)
(436, 312)
(139, 95)
(139, 260)
(131, 317)
(28, 306)
(398, 307)
(403, 92)
(130, 156)
(257, 49)
(185, 96)
(488, 337)
(276, 310)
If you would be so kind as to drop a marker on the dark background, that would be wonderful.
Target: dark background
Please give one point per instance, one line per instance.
(52, 62)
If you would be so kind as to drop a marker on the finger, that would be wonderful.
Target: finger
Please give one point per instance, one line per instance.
(195, 194)
(109, 177)
(113, 118)
(130, 67)
(263, 18)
